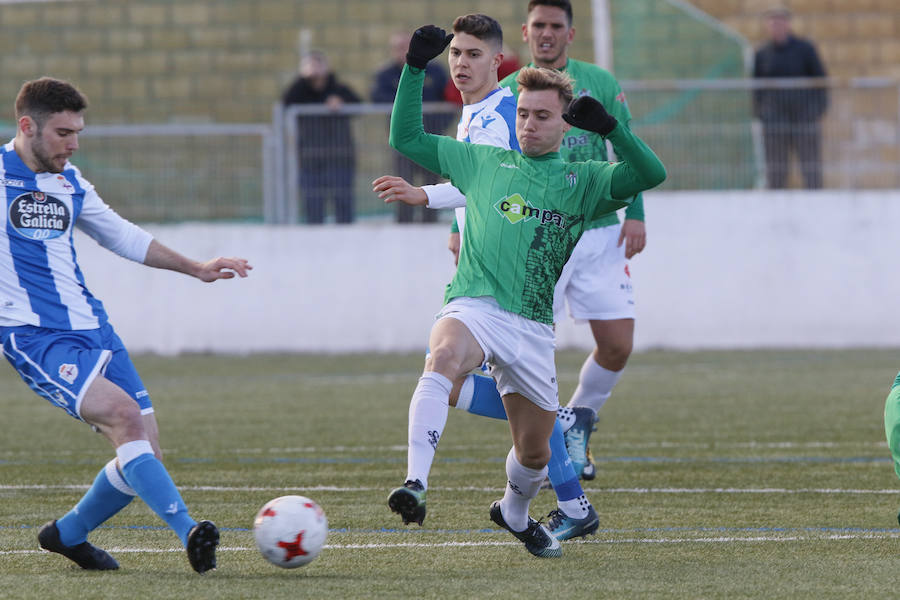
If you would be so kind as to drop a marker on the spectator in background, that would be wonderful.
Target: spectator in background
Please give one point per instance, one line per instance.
(383, 91)
(790, 117)
(324, 142)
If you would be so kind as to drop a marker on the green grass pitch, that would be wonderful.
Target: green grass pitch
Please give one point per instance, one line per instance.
(733, 474)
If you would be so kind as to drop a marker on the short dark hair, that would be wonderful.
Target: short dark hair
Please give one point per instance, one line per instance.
(540, 78)
(563, 4)
(40, 98)
(482, 27)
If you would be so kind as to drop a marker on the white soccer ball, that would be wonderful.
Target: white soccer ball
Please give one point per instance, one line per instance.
(290, 531)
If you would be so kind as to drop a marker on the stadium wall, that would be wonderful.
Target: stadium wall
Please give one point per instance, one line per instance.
(721, 270)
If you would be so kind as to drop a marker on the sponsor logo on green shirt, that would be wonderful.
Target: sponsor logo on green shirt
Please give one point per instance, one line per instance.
(516, 209)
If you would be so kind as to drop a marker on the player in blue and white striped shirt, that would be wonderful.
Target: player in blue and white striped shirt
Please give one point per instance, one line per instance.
(56, 334)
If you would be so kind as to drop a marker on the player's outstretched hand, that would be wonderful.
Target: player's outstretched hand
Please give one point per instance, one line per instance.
(427, 42)
(391, 188)
(222, 268)
(587, 113)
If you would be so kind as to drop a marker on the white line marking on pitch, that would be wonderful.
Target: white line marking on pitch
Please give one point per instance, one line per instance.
(465, 544)
(333, 488)
(618, 446)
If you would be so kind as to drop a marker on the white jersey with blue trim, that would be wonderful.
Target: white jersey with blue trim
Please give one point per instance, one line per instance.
(491, 121)
(40, 281)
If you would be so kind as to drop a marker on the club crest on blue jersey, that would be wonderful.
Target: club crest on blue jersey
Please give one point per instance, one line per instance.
(38, 216)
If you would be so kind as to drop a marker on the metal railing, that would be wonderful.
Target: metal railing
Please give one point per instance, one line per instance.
(706, 132)
(181, 172)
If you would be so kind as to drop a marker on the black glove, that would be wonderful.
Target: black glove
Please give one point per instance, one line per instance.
(427, 42)
(586, 113)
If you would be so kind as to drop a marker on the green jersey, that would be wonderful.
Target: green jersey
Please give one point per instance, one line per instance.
(580, 145)
(524, 215)
(523, 219)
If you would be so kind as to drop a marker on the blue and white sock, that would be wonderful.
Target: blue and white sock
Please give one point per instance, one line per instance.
(570, 497)
(428, 410)
(149, 478)
(107, 495)
(479, 396)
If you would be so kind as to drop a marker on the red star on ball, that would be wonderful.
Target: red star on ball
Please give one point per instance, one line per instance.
(292, 549)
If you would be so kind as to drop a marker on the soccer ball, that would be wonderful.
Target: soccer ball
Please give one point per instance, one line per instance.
(290, 531)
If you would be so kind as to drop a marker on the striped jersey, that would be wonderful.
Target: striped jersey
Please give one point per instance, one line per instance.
(41, 283)
(490, 121)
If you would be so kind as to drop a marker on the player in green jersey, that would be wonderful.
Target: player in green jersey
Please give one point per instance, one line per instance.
(525, 213)
(488, 117)
(892, 424)
(596, 282)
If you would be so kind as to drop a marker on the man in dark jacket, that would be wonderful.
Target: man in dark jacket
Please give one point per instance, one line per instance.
(324, 142)
(384, 89)
(790, 117)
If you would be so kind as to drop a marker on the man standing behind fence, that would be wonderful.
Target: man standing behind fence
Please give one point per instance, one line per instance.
(324, 142)
(384, 90)
(790, 117)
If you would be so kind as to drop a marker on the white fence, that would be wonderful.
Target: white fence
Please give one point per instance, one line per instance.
(721, 270)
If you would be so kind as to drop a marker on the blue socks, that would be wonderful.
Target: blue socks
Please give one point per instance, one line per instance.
(108, 495)
(149, 478)
(561, 473)
(479, 396)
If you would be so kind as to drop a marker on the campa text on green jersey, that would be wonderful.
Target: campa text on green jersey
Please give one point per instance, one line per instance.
(516, 209)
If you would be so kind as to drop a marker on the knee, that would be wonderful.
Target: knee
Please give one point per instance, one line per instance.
(445, 360)
(534, 456)
(124, 416)
(614, 354)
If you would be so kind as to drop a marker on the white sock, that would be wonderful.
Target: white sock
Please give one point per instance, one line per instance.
(522, 485)
(595, 385)
(466, 393)
(129, 451)
(577, 508)
(427, 417)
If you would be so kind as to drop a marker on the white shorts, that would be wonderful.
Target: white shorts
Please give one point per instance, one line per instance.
(519, 351)
(595, 281)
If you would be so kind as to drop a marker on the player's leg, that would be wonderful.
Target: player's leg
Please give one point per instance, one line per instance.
(115, 414)
(892, 424)
(59, 366)
(526, 468)
(599, 291)
(453, 352)
(574, 516)
(478, 395)
(108, 494)
(599, 374)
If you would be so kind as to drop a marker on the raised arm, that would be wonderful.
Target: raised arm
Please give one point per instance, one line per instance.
(407, 132)
(639, 167)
